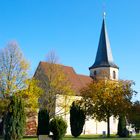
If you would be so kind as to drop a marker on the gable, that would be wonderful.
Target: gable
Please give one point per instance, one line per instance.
(77, 81)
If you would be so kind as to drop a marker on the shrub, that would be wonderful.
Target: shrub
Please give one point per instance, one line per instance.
(77, 119)
(125, 133)
(1, 127)
(58, 127)
(43, 123)
(122, 131)
(14, 123)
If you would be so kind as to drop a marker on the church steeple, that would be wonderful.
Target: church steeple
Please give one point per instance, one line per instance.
(104, 59)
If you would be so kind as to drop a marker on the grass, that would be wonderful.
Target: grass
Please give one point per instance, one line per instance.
(90, 137)
(99, 137)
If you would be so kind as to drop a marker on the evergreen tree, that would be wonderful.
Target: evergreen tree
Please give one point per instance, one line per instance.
(58, 126)
(122, 131)
(43, 123)
(14, 122)
(77, 119)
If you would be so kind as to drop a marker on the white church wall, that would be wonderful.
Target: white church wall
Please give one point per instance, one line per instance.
(91, 126)
(94, 127)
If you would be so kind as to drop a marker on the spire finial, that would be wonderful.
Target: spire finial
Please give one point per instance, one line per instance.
(104, 15)
(104, 9)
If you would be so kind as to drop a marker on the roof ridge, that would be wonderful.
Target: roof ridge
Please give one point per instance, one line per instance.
(56, 64)
(83, 75)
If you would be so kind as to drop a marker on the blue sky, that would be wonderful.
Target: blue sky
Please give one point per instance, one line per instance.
(72, 29)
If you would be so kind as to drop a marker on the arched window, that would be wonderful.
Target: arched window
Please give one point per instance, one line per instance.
(114, 75)
(95, 73)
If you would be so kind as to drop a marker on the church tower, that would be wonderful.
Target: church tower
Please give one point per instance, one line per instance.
(104, 66)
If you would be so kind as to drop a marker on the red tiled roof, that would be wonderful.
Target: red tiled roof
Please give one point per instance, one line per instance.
(77, 81)
(85, 79)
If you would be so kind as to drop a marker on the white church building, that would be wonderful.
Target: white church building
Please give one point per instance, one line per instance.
(103, 67)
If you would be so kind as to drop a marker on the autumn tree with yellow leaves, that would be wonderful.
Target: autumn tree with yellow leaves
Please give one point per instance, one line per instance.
(13, 70)
(56, 86)
(106, 98)
(31, 94)
(14, 78)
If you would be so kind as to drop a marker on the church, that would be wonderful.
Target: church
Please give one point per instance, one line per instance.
(104, 67)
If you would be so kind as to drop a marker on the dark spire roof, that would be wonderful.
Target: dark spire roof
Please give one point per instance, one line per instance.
(104, 56)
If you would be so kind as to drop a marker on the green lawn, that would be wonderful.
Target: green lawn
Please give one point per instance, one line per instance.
(91, 137)
(88, 139)
(97, 137)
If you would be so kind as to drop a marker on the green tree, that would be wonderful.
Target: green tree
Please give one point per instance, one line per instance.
(77, 119)
(4, 102)
(134, 115)
(58, 127)
(43, 123)
(14, 123)
(105, 98)
(122, 131)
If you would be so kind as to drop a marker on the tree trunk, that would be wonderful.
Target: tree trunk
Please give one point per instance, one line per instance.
(108, 126)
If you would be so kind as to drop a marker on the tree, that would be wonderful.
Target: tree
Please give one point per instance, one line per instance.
(58, 127)
(77, 119)
(14, 123)
(134, 116)
(57, 88)
(4, 102)
(14, 78)
(122, 131)
(3, 107)
(106, 98)
(31, 94)
(13, 70)
(43, 123)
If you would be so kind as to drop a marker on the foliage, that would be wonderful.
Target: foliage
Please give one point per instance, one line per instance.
(31, 94)
(105, 98)
(13, 70)
(121, 125)
(77, 119)
(14, 122)
(122, 131)
(4, 102)
(134, 115)
(54, 82)
(1, 127)
(58, 127)
(14, 79)
(43, 123)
